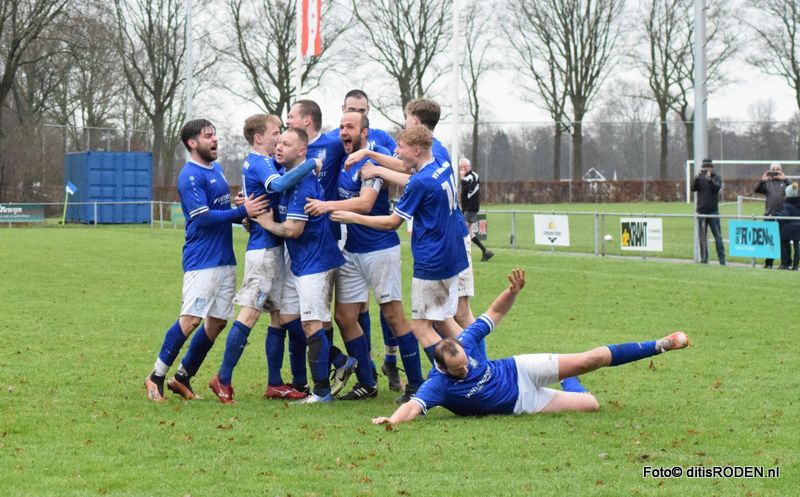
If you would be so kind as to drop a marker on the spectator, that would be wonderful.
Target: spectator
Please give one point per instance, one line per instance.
(471, 203)
(773, 186)
(790, 230)
(707, 185)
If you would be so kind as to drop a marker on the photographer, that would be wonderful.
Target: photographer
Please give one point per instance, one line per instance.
(773, 186)
(707, 185)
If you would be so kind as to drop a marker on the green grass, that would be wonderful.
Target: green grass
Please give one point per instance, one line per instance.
(85, 311)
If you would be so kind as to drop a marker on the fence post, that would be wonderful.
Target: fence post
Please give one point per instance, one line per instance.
(696, 230)
(95, 214)
(596, 234)
(161, 215)
(152, 206)
(513, 229)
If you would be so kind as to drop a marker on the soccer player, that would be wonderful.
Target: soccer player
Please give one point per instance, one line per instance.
(437, 242)
(471, 202)
(373, 262)
(466, 383)
(426, 112)
(263, 271)
(209, 264)
(357, 101)
(314, 257)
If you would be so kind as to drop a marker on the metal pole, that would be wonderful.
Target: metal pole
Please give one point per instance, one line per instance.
(596, 233)
(189, 62)
(513, 229)
(700, 96)
(456, 83)
(95, 214)
(644, 164)
(161, 215)
(298, 61)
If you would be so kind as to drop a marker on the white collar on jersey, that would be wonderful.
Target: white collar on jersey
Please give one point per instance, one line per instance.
(420, 168)
(202, 165)
(312, 140)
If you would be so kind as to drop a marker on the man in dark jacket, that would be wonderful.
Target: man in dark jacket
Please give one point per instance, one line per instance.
(790, 230)
(773, 186)
(707, 185)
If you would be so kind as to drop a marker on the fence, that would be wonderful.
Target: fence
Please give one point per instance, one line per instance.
(590, 232)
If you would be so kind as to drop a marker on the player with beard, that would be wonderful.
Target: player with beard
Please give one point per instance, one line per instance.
(209, 264)
(373, 261)
(437, 243)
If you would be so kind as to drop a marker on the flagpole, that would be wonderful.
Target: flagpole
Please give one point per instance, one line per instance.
(456, 83)
(298, 62)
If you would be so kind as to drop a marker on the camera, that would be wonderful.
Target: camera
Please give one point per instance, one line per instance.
(772, 174)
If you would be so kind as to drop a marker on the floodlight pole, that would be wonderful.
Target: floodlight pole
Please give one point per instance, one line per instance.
(700, 96)
(700, 93)
(456, 83)
(298, 61)
(189, 76)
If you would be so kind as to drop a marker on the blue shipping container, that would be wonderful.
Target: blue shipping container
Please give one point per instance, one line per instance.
(110, 177)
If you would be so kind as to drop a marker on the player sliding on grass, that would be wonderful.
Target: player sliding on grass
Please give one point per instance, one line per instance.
(466, 383)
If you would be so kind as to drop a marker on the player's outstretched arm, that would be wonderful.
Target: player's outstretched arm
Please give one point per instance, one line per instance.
(361, 204)
(371, 171)
(405, 412)
(387, 161)
(390, 222)
(503, 303)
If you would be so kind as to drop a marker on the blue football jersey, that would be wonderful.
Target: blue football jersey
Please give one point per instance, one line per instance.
(361, 239)
(440, 152)
(380, 138)
(203, 189)
(437, 235)
(329, 149)
(257, 173)
(315, 251)
(490, 387)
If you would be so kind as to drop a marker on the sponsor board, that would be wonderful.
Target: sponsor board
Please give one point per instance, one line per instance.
(760, 239)
(21, 213)
(551, 229)
(641, 234)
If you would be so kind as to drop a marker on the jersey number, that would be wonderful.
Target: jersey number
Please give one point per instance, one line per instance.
(450, 189)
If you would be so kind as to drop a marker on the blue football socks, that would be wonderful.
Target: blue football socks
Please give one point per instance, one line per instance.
(197, 352)
(273, 345)
(624, 353)
(389, 342)
(173, 341)
(409, 354)
(297, 352)
(572, 384)
(318, 350)
(358, 348)
(234, 347)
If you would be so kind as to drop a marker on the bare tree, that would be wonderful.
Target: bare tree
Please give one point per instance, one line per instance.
(264, 45)
(151, 45)
(534, 38)
(21, 24)
(721, 44)
(777, 25)
(476, 23)
(406, 37)
(664, 48)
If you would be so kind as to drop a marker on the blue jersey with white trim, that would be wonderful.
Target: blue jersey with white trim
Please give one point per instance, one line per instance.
(490, 387)
(202, 189)
(437, 235)
(315, 251)
(380, 138)
(329, 149)
(258, 171)
(361, 239)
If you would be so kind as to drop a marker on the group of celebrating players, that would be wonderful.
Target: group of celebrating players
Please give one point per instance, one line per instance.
(320, 223)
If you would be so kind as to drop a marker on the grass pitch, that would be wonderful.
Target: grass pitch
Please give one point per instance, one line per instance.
(85, 311)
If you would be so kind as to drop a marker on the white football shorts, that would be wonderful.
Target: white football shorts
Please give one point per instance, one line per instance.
(534, 373)
(435, 300)
(378, 270)
(466, 281)
(263, 279)
(309, 296)
(209, 292)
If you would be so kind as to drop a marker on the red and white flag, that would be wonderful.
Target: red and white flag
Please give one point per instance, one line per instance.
(311, 43)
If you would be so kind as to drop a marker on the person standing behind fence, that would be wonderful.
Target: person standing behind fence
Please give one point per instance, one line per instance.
(790, 230)
(471, 202)
(773, 186)
(707, 184)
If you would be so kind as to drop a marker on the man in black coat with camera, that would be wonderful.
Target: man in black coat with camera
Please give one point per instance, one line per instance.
(707, 184)
(773, 186)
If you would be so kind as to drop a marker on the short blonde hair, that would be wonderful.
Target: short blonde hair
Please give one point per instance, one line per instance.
(257, 124)
(416, 136)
